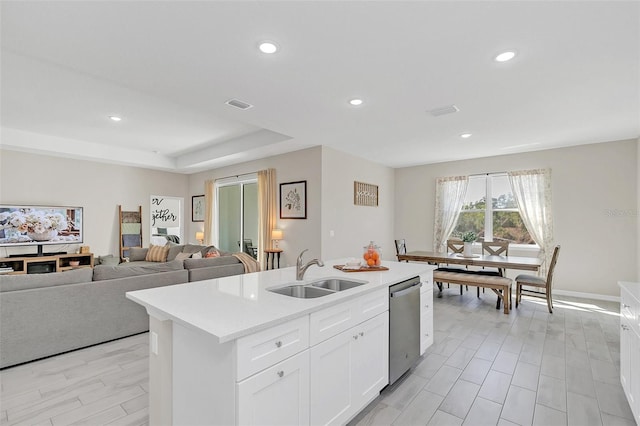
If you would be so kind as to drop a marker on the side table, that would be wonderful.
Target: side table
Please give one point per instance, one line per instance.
(273, 254)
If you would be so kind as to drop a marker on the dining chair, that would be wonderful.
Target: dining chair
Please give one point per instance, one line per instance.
(455, 246)
(494, 248)
(401, 248)
(538, 282)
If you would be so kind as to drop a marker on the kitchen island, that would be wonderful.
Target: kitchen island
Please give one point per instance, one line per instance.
(229, 351)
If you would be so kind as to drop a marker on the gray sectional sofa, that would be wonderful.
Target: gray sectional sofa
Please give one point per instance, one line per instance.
(47, 314)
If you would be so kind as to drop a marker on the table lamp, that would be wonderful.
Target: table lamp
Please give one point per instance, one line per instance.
(276, 235)
(200, 237)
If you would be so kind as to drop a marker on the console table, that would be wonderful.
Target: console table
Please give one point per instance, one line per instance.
(273, 254)
(45, 264)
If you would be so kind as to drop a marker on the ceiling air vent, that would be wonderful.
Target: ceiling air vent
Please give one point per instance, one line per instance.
(449, 109)
(238, 104)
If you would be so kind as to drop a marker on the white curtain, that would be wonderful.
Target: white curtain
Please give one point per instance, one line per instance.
(267, 209)
(450, 193)
(210, 204)
(532, 191)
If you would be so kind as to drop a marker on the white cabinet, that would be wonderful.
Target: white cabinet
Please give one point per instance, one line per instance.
(349, 370)
(426, 311)
(278, 395)
(630, 345)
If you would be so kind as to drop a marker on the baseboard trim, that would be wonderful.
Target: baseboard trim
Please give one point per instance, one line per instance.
(587, 295)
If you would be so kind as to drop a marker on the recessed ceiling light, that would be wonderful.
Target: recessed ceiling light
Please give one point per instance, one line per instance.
(505, 56)
(115, 118)
(268, 47)
(355, 102)
(465, 135)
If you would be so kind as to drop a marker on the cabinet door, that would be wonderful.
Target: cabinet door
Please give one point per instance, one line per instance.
(634, 373)
(625, 359)
(370, 358)
(279, 395)
(331, 379)
(426, 313)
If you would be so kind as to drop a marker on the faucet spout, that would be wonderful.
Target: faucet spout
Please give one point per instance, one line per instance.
(301, 269)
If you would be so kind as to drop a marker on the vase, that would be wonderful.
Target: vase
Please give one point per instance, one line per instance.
(468, 249)
(43, 236)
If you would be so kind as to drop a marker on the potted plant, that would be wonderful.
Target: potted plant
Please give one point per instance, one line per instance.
(468, 238)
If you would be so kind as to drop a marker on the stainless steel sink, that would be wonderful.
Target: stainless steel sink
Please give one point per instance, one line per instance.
(301, 291)
(336, 284)
(317, 288)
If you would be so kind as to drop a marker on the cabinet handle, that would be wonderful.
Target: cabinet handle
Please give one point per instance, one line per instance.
(355, 337)
(426, 306)
(280, 373)
(361, 333)
(624, 305)
(624, 327)
(278, 344)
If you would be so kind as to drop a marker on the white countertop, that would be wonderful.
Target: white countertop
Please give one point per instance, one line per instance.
(632, 288)
(232, 307)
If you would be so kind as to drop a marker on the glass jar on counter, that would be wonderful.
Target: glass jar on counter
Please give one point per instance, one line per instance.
(372, 255)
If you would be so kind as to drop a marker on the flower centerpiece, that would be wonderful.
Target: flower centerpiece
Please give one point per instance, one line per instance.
(39, 225)
(468, 238)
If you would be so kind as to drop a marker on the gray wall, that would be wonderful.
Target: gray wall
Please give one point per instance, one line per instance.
(594, 189)
(99, 188)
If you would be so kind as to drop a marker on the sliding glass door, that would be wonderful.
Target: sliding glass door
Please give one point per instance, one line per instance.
(238, 215)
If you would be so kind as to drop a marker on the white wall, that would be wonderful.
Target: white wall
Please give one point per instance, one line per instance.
(99, 188)
(354, 226)
(638, 209)
(594, 189)
(298, 234)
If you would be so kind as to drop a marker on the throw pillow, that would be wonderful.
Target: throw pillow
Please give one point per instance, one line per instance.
(183, 256)
(137, 254)
(196, 255)
(212, 253)
(157, 253)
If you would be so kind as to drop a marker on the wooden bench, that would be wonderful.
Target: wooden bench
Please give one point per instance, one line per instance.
(500, 285)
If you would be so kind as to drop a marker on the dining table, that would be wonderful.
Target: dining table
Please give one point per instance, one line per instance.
(479, 260)
(486, 260)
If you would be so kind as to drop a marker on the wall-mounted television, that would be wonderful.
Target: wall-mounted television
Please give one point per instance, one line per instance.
(40, 225)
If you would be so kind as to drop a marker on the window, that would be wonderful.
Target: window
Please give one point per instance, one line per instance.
(498, 219)
(237, 215)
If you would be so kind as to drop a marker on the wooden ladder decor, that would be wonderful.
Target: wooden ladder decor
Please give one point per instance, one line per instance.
(130, 230)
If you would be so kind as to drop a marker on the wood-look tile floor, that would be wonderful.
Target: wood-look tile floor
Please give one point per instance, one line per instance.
(485, 368)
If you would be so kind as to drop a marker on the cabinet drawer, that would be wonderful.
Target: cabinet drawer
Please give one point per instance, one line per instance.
(336, 319)
(427, 282)
(426, 300)
(426, 331)
(630, 309)
(265, 348)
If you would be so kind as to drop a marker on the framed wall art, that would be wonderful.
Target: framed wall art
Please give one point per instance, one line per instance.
(293, 200)
(365, 194)
(197, 208)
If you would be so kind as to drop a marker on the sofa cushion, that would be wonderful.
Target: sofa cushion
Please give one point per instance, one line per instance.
(174, 250)
(210, 261)
(102, 272)
(137, 253)
(192, 248)
(157, 253)
(27, 281)
(109, 259)
(183, 256)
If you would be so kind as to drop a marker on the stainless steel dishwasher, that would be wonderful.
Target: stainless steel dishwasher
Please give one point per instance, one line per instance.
(404, 327)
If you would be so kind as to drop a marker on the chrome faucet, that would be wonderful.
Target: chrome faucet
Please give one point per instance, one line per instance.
(300, 270)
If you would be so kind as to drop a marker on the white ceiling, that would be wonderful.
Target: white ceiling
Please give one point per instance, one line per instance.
(167, 67)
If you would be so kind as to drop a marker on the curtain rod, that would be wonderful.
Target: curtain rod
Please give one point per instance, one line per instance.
(237, 176)
(487, 174)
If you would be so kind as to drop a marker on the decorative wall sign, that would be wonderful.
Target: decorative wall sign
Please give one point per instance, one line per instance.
(197, 208)
(365, 194)
(293, 200)
(166, 217)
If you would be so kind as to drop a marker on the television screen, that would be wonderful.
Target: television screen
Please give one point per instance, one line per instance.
(38, 225)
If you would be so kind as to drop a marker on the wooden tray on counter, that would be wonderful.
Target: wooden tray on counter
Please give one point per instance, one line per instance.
(362, 268)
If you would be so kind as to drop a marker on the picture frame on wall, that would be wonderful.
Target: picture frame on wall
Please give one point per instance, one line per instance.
(293, 200)
(197, 208)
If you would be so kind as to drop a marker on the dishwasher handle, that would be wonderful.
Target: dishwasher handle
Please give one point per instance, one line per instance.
(406, 290)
